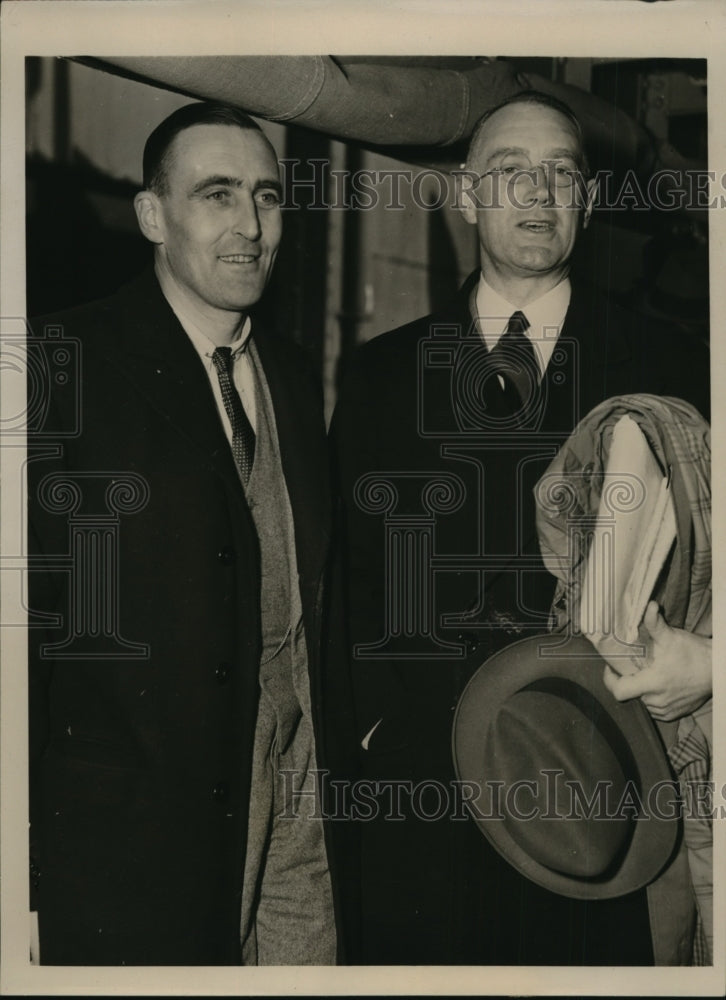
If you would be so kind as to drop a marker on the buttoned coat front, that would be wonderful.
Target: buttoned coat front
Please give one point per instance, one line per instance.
(144, 688)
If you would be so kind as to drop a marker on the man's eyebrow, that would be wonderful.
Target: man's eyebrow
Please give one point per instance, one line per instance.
(216, 180)
(504, 150)
(272, 182)
(560, 153)
(221, 180)
(565, 154)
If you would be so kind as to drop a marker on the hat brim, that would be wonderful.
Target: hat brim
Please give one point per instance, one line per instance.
(655, 831)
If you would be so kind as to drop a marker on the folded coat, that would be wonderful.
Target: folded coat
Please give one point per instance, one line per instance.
(681, 440)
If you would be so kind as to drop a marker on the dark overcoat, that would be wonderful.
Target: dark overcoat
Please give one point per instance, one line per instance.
(443, 569)
(144, 686)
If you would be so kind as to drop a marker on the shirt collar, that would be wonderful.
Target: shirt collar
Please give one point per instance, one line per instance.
(203, 345)
(545, 315)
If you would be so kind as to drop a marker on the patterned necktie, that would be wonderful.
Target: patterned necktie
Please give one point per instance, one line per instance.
(514, 359)
(243, 436)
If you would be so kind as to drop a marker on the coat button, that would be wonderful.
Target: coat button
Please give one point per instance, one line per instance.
(220, 792)
(227, 555)
(587, 472)
(222, 672)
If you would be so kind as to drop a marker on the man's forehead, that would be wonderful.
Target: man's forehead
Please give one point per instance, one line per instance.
(526, 126)
(207, 146)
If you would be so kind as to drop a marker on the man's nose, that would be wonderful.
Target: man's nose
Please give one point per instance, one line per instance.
(247, 220)
(542, 181)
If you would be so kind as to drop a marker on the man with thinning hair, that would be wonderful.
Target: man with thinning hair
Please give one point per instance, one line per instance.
(442, 429)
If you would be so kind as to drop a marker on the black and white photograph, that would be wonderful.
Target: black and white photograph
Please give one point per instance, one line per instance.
(357, 597)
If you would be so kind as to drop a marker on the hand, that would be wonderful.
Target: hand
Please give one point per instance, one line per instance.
(674, 678)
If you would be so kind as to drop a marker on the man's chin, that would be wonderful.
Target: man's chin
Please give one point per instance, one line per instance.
(540, 261)
(241, 302)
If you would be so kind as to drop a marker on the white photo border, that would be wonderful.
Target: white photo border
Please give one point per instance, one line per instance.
(626, 28)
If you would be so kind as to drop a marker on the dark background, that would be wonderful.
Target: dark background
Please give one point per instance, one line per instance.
(344, 276)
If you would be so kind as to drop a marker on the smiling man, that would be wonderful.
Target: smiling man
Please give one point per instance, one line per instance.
(526, 163)
(175, 733)
(442, 429)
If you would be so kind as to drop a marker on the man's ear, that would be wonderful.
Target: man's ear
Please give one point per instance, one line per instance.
(590, 192)
(467, 201)
(150, 216)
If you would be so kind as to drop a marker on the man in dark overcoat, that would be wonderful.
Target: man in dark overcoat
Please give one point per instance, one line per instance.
(441, 431)
(178, 514)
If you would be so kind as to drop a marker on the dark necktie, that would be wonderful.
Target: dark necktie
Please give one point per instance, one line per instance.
(514, 359)
(243, 436)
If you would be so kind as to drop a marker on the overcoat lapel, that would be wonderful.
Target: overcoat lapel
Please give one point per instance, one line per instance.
(438, 389)
(603, 352)
(156, 355)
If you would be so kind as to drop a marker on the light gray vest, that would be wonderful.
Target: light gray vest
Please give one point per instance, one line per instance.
(286, 861)
(283, 664)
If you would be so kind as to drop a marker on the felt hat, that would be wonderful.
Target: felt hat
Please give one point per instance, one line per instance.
(572, 787)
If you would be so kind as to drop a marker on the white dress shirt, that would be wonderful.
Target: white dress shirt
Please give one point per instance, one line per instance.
(241, 368)
(545, 316)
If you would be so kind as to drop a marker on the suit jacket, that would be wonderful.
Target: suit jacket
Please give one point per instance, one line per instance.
(144, 689)
(416, 409)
